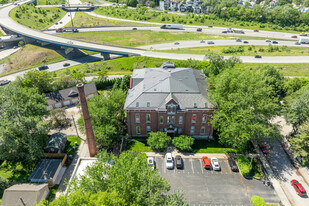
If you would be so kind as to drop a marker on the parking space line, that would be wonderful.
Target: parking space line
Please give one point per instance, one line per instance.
(163, 166)
(192, 165)
(201, 166)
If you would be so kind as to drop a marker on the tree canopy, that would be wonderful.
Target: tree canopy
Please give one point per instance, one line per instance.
(129, 180)
(246, 101)
(300, 143)
(23, 133)
(158, 140)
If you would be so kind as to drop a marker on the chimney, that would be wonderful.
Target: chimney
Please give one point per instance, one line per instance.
(87, 121)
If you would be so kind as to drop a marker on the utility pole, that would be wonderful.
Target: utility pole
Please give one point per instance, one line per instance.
(75, 126)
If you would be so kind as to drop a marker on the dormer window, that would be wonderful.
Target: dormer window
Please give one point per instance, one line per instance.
(137, 104)
(148, 104)
(171, 108)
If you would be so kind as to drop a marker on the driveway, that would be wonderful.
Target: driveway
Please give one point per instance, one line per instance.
(285, 172)
(207, 187)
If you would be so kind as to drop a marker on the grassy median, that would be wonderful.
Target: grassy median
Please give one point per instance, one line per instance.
(270, 50)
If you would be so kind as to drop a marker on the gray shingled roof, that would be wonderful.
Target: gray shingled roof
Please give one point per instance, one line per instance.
(66, 94)
(44, 170)
(158, 85)
(56, 140)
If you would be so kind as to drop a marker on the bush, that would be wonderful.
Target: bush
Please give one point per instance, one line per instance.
(258, 201)
(183, 142)
(243, 163)
(158, 140)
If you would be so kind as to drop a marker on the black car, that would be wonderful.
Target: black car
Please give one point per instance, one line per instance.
(257, 56)
(66, 64)
(275, 42)
(233, 165)
(224, 32)
(209, 26)
(43, 67)
(179, 162)
(245, 42)
(134, 28)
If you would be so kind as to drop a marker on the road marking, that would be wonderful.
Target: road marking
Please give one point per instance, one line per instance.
(201, 166)
(163, 166)
(192, 165)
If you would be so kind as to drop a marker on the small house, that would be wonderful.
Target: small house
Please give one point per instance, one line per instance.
(46, 170)
(56, 143)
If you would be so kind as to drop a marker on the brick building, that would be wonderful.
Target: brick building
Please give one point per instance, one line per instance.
(169, 99)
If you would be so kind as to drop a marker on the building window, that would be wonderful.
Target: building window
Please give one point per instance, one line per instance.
(202, 130)
(161, 120)
(179, 130)
(137, 118)
(138, 129)
(148, 118)
(137, 104)
(180, 120)
(193, 118)
(204, 119)
(192, 130)
(171, 119)
(148, 128)
(171, 108)
(148, 104)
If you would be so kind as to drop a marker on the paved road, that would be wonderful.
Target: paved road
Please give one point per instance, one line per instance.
(7, 52)
(285, 171)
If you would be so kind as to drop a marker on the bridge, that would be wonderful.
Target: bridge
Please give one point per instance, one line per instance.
(69, 44)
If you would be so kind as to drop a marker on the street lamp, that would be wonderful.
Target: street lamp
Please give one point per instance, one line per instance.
(71, 16)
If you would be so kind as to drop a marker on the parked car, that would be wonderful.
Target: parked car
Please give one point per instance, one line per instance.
(151, 162)
(238, 40)
(202, 41)
(199, 29)
(299, 188)
(264, 148)
(206, 162)
(257, 56)
(275, 42)
(215, 164)
(267, 40)
(255, 30)
(169, 162)
(134, 28)
(209, 26)
(246, 42)
(210, 42)
(66, 64)
(4, 82)
(293, 36)
(233, 165)
(179, 162)
(176, 43)
(43, 67)
(297, 43)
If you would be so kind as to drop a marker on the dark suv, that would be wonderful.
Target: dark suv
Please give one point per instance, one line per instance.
(233, 165)
(43, 67)
(179, 164)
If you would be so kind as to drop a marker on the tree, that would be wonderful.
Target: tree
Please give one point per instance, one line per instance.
(107, 116)
(58, 118)
(183, 142)
(152, 4)
(21, 44)
(23, 133)
(41, 80)
(300, 143)
(294, 84)
(158, 140)
(246, 103)
(129, 181)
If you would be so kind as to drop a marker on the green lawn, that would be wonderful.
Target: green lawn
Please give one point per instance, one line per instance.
(137, 146)
(244, 50)
(52, 193)
(50, 2)
(252, 171)
(82, 19)
(138, 38)
(189, 19)
(36, 18)
(71, 143)
(211, 146)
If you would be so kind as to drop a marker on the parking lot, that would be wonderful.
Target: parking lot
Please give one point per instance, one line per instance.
(207, 187)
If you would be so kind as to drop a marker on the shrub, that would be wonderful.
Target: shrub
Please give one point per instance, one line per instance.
(158, 140)
(243, 163)
(183, 142)
(258, 201)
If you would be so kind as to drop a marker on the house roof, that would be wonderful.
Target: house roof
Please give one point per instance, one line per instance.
(66, 94)
(56, 140)
(44, 170)
(29, 193)
(157, 86)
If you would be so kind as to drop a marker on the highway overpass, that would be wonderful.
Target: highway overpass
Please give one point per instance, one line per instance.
(9, 24)
(71, 6)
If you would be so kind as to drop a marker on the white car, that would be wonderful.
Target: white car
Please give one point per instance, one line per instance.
(151, 162)
(70, 42)
(215, 164)
(169, 161)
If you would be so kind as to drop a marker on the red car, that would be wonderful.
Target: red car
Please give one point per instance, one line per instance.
(264, 148)
(299, 188)
(206, 162)
(256, 30)
(293, 36)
